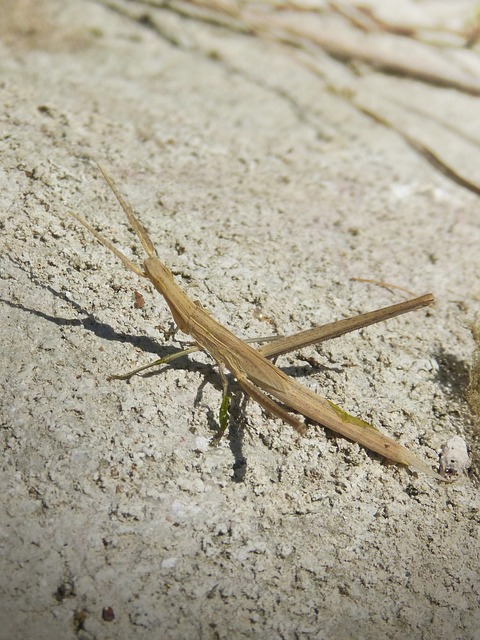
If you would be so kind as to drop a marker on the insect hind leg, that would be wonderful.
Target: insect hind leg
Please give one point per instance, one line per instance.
(270, 405)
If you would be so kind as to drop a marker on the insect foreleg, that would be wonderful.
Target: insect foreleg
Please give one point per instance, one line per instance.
(155, 363)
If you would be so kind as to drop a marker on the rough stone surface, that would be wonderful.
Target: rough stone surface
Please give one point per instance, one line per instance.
(260, 190)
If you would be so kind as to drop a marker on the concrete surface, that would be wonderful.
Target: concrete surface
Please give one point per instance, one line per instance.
(262, 191)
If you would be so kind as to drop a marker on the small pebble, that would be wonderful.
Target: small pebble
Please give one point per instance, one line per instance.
(201, 444)
(454, 458)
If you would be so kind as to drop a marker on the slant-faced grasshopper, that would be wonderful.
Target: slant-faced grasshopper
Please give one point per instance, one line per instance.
(258, 376)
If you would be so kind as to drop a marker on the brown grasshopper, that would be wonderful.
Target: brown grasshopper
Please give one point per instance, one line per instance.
(255, 373)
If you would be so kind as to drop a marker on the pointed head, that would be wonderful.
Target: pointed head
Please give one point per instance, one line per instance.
(160, 276)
